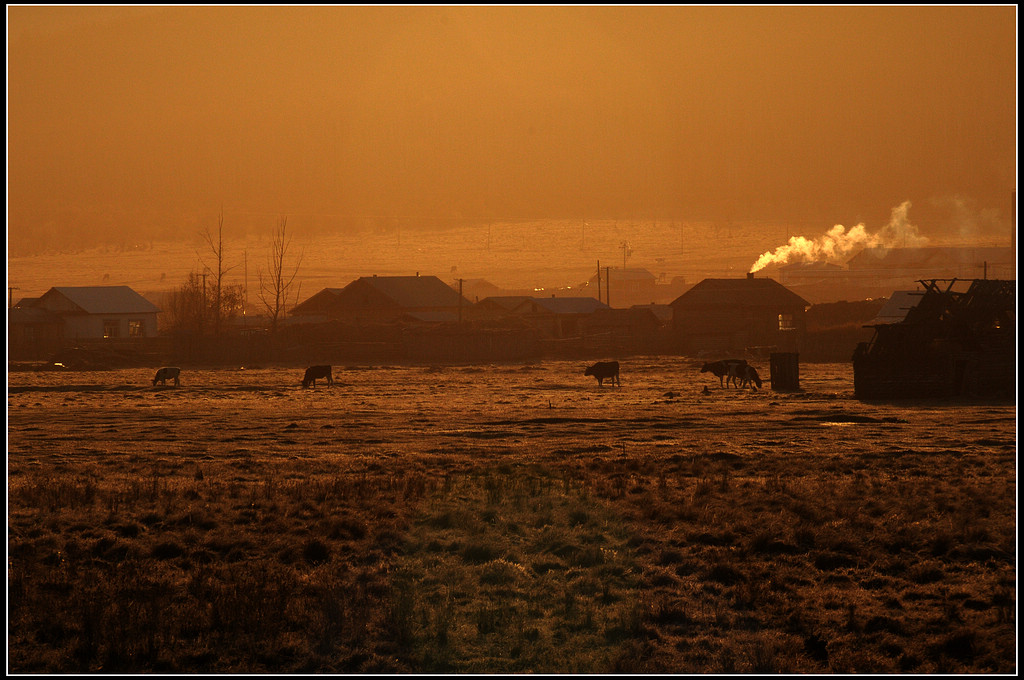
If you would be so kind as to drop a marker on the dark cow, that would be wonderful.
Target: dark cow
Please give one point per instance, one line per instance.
(727, 370)
(604, 369)
(750, 377)
(167, 373)
(315, 372)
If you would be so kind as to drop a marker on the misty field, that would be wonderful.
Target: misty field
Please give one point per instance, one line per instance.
(504, 518)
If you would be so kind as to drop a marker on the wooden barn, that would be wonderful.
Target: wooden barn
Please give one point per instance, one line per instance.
(949, 342)
(726, 316)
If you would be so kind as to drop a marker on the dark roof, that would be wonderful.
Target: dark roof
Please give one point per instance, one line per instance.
(569, 305)
(315, 304)
(755, 291)
(412, 292)
(506, 302)
(101, 299)
(29, 315)
(896, 307)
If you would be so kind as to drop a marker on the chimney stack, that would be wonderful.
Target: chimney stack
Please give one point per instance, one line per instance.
(750, 276)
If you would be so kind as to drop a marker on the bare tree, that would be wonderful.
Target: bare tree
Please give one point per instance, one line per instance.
(187, 306)
(217, 247)
(276, 282)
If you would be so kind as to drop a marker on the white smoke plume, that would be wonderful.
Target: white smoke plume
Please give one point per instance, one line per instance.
(839, 242)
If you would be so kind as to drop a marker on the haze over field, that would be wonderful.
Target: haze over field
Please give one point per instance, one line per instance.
(128, 124)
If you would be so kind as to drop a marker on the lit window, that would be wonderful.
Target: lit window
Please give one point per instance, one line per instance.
(111, 329)
(786, 322)
(134, 328)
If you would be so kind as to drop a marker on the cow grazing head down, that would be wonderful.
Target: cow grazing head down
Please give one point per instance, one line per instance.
(750, 377)
(313, 373)
(167, 373)
(604, 370)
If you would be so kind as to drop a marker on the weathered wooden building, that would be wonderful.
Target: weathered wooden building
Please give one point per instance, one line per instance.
(728, 315)
(950, 343)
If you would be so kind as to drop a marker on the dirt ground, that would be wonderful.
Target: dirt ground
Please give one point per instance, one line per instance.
(660, 427)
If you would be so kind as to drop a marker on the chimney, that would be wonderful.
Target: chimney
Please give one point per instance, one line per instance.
(750, 276)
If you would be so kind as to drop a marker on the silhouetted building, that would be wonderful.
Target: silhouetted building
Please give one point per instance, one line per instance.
(383, 299)
(942, 341)
(726, 316)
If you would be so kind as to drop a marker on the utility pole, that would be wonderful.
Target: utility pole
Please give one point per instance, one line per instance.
(608, 286)
(599, 280)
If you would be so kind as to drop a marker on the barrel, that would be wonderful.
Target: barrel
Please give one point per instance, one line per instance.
(785, 371)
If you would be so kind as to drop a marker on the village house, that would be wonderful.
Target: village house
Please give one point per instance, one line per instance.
(727, 316)
(385, 299)
(38, 327)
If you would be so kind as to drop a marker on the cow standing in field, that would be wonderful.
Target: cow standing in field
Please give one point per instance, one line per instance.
(315, 372)
(167, 373)
(727, 370)
(604, 369)
(750, 377)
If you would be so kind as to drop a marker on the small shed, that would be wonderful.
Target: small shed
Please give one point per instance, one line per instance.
(729, 315)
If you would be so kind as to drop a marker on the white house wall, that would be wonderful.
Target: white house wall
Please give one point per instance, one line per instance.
(91, 325)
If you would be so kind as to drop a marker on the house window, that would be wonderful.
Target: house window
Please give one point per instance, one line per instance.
(134, 328)
(111, 328)
(786, 322)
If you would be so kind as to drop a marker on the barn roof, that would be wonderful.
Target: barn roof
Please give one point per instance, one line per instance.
(751, 291)
(102, 299)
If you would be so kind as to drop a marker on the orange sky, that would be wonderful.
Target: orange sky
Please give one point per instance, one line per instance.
(139, 118)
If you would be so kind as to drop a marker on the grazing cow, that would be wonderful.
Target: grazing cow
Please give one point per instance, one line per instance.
(604, 369)
(314, 372)
(167, 373)
(750, 377)
(727, 370)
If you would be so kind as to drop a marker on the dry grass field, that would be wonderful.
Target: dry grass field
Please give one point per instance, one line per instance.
(504, 518)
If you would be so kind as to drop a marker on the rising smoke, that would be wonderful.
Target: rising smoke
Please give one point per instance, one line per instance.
(839, 243)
